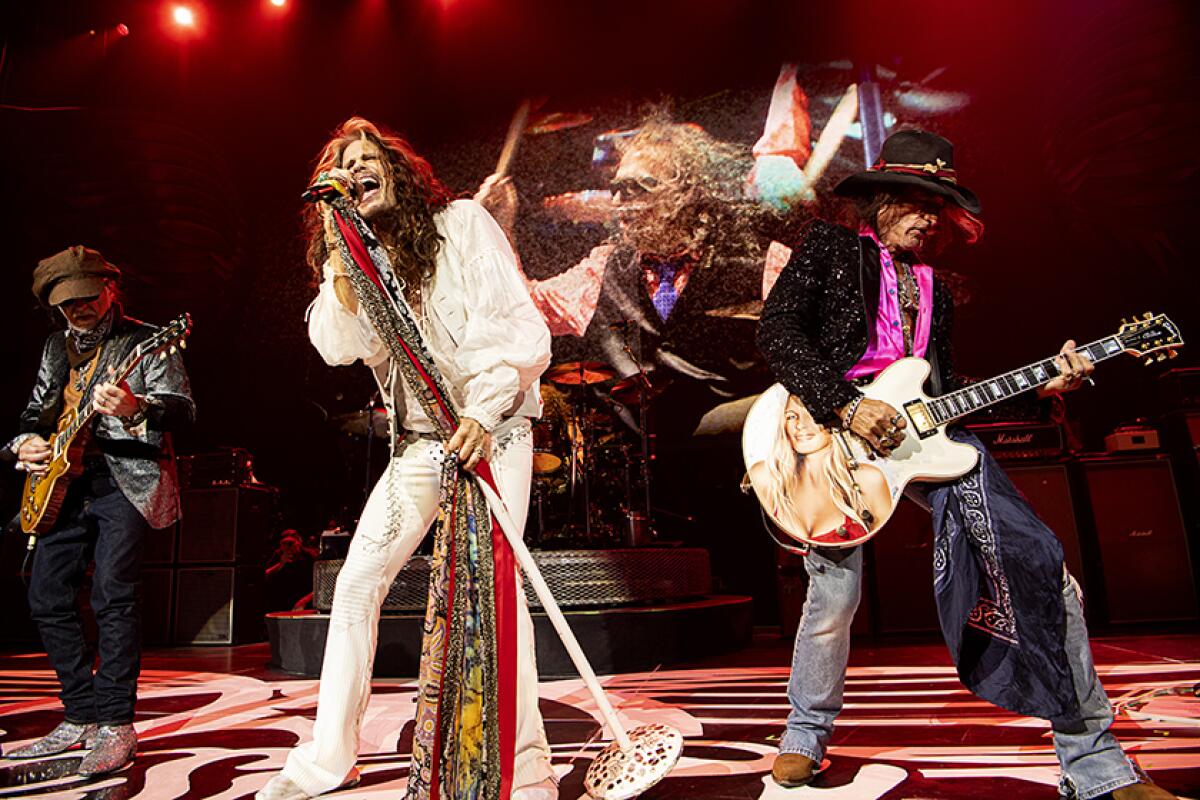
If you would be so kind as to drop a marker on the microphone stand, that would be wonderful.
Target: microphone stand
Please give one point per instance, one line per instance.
(645, 457)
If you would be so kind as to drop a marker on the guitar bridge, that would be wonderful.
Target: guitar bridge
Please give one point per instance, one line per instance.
(922, 421)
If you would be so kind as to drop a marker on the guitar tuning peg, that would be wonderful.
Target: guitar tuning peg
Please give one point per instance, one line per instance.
(183, 344)
(1172, 354)
(1148, 315)
(1124, 322)
(162, 356)
(173, 350)
(1148, 360)
(1162, 357)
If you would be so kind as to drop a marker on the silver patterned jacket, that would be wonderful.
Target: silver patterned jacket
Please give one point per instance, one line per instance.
(142, 460)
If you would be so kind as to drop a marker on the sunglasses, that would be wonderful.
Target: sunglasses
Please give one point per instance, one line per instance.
(630, 188)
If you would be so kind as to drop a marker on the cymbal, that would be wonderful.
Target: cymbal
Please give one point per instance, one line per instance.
(628, 391)
(575, 373)
(359, 423)
(549, 122)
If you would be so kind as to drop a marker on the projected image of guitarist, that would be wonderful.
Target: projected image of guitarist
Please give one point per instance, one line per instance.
(95, 441)
(850, 304)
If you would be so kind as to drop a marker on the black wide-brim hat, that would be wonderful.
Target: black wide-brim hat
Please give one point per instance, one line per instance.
(917, 159)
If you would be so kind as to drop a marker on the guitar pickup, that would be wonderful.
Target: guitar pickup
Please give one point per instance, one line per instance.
(920, 418)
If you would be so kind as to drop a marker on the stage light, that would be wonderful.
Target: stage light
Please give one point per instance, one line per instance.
(122, 29)
(184, 16)
(279, 3)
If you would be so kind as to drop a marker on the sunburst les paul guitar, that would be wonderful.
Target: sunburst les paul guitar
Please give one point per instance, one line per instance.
(44, 493)
(841, 476)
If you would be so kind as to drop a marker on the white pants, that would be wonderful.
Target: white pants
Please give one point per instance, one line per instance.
(383, 543)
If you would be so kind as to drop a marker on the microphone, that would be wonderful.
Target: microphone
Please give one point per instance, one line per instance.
(327, 189)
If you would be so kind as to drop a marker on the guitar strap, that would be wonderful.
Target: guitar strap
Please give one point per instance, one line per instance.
(80, 379)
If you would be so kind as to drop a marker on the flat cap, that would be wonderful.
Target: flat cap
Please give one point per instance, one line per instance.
(73, 273)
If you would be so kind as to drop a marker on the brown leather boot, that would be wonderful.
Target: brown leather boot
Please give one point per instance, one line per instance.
(792, 769)
(1142, 791)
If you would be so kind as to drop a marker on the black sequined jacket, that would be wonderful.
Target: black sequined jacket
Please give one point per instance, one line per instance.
(816, 323)
(141, 460)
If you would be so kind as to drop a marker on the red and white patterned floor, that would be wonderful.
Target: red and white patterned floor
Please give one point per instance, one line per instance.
(215, 724)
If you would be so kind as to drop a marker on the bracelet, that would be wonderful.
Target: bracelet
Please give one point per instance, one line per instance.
(137, 417)
(851, 410)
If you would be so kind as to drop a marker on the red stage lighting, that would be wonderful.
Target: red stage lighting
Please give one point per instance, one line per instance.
(183, 16)
(122, 29)
(279, 3)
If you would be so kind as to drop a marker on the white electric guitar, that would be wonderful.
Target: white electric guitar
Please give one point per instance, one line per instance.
(925, 453)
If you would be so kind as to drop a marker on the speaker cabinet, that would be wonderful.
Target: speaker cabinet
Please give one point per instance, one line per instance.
(158, 584)
(219, 605)
(1141, 539)
(226, 524)
(1047, 487)
(901, 565)
(159, 546)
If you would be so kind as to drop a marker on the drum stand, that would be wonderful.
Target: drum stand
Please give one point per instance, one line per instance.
(638, 523)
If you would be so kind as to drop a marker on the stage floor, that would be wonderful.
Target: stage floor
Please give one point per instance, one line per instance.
(214, 723)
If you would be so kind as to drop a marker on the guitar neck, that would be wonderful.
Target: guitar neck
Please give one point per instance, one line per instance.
(955, 405)
(88, 409)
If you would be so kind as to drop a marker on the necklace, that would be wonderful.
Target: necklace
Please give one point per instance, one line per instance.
(910, 302)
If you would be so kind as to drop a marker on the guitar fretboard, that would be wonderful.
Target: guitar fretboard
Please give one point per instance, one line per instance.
(954, 405)
(87, 409)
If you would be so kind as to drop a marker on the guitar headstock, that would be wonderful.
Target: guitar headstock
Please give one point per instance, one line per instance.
(1153, 337)
(168, 339)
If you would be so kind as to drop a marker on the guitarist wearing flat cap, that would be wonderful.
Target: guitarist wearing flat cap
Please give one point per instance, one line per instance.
(850, 303)
(94, 372)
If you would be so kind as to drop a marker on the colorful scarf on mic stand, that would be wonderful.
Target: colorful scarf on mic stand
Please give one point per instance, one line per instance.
(463, 745)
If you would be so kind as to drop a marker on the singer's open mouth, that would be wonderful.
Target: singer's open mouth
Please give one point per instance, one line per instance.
(369, 184)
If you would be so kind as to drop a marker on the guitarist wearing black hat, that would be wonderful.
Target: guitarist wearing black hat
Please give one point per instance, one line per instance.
(848, 304)
(126, 488)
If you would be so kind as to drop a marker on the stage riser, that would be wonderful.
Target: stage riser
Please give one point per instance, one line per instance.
(614, 640)
(577, 578)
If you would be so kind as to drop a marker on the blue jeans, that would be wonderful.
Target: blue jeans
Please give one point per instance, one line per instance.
(1091, 758)
(96, 523)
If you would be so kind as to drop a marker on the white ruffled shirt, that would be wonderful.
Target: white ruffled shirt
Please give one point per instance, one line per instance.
(484, 333)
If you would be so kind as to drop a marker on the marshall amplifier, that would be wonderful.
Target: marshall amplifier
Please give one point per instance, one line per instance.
(1180, 388)
(1021, 440)
(230, 467)
(1141, 539)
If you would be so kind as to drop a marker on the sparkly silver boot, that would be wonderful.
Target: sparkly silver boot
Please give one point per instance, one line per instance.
(59, 740)
(114, 747)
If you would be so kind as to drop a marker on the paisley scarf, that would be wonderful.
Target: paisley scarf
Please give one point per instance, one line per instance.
(463, 745)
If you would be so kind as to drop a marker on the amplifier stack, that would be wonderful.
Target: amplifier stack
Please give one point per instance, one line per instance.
(202, 579)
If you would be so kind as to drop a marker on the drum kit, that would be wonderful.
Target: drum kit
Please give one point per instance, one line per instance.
(591, 459)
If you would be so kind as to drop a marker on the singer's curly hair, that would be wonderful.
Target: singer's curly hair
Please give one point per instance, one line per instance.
(705, 197)
(407, 231)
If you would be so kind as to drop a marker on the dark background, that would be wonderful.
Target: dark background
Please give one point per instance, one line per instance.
(181, 156)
